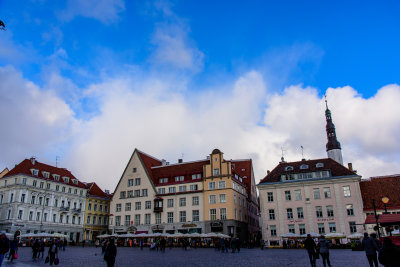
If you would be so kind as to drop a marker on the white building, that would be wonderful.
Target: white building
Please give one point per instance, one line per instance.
(36, 197)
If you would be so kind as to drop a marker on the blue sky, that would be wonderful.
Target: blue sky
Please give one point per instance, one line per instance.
(83, 54)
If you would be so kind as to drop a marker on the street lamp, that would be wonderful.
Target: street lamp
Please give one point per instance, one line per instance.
(385, 200)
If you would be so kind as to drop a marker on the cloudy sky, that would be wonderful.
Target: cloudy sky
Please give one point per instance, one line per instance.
(89, 81)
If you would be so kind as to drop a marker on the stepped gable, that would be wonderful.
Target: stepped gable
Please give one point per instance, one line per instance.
(149, 162)
(243, 169)
(378, 187)
(336, 169)
(26, 165)
(95, 191)
(185, 169)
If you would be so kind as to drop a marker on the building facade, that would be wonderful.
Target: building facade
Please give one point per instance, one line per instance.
(36, 197)
(96, 212)
(188, 197)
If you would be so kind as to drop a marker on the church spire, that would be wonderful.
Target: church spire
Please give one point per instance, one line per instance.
(333, 147)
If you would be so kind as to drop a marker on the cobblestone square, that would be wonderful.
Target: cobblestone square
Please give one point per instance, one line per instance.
(90, 256)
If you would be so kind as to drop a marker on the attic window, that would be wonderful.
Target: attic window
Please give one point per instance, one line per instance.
(163, 180)
(56, 177)
(243, 170)
(46, 174)
(289, 168)
(35, 172)
(75, 181)
(304, 167)
(319, 165)
(66, 179)
(245, 177)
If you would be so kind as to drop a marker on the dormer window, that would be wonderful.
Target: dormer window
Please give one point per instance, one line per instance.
(46, 174)
(319, 165)
(304, 167)
(289, 168)
(75, 181)
(163, 180)
(179, 178)
(66, 179)
(245, 177)
(35, 172)
(56, 177)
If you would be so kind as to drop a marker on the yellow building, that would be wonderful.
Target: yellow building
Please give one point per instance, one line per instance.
(225, 197)
(96, 212)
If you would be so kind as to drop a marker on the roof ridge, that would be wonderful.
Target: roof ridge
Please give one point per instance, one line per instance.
(175, 164)
(150, 156)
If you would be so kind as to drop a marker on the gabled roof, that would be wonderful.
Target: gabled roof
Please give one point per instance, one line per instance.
(95, 191)
(243, 168)
(378, 187)
(27, 164)
(334, 167)
(148, 162)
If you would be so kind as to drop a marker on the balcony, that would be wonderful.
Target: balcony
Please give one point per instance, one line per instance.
(64, 209)
(158, 209)
(75, 210)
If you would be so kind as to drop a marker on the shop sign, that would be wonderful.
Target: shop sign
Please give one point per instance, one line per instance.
(189, 225)
(216, 224)
(157, 227)
(296, 221)
(132, 229)
(325, 220)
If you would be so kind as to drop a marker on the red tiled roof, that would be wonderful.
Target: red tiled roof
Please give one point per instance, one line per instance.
(383, 219)
(95, 191)
(148, 162)
(334, 167)
(378, 187)
(26, 165)
(243, 168)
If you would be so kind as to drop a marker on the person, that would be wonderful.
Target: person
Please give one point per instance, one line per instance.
(83, 243)
(262, 244)
(323, 246)
(370, 247)
(141, 244)
(233, 244)
(41, 248)
(64, 244)
(4, 246)
(97, 243)
(163, 243)
(35, 249)
(110, 253)
(389, 255)
(238, 244)
(13, 249)
(310, 246)
(53, 250)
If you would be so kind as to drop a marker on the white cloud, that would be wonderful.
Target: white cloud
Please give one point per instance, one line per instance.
(106, 11)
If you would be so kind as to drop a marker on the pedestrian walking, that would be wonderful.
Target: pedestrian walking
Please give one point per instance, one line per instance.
(141, 244)
(83, 243)
(370, 247)
(389, 255)
(64, 244)
(97, 243)
(13, 249)
(238, 244)
(233, 244)
(311, 248)
(262, 244)
(53, 252)
(35, 249)
(323, 246)
(4, 246)
(163, 243)
(41, 248)
(110, 253)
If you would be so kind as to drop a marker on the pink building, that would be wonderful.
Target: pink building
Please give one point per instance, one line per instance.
(311, 196)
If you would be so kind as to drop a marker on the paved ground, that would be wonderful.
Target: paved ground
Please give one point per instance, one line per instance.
(90, 256)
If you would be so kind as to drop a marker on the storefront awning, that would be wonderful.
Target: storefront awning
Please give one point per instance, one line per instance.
(383, 219)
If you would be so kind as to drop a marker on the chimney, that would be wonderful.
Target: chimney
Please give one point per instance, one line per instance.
(180, 160)
(350, 166)
(33, 160)
(208, 157)
(163, 162)
(107, 191)
(268, 172)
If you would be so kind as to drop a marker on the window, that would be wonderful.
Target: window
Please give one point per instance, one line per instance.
(23, 180)
(353, 227)
(302, 229)
(318, 211)
(221, 184)
(216, 172)
(288, 196)
(222, 213)
(100, 207)
(90, 206)
(182, 188)
(182, 202)
(272, 229)
(319, 165)
(163, 180)
(289, 168)
(46, 202)
(300, 213)
(148, 205)
(117, 220)
(138, 205)
(34, 183)
(193, 187)
(291, 228)
(170, 217)
(95, 207)
(63, 189)
(316, 193)
(213, 214)
(271, 215)
(304, 167)
(137, 181)
(222, 198)
(329, 211)
(134, 170)
(182, 216)
(195, 215)
(57, 188)
(179, 178)
(297, 194)
(196, 176)
(130, 182)
(23, 198)
(170, 203)
(100, 220)
(137, 193)
(127, 206)
(212, 199)
(211, 185)
(122, 194)
(289, 213)
(350, 210)
(346, 191)
(195, 201)
(327, 192)
(321, 228)
(127, 220)
(144, 192)
(147, 218)
(161, 191)
(9, 214)
(171, 190)
(61, 219)
(270, 197)
(117, 207)
(54, 217)
(20, 215)
(332, 227)
(31, 216)
(158, 218)
(137, 219)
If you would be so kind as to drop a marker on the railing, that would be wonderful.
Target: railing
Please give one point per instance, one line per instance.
(64, 209)
(158, 209)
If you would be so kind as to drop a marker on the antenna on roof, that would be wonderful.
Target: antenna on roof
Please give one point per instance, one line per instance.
(326, 102)
(283, 152)
(302, 152)
(57, 158)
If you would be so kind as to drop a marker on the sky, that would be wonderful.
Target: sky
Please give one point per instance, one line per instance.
(87, 82)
